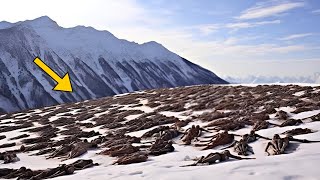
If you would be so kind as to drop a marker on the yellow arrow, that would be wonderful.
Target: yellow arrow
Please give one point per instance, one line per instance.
(64, 83)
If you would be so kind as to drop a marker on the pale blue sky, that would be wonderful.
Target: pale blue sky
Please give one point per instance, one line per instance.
(229, 37)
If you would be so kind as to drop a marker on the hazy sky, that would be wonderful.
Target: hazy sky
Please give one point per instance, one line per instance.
(229, 37)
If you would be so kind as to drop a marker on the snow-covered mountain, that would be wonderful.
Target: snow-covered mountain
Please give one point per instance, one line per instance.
(313, 79)
(99, 64)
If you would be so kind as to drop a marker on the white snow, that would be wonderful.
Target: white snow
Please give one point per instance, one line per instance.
(300, 164)
(286, 109)
(303, 115)
(141, 132)
(300, 93)
(131, 117)
(143, 108)
(179, 115)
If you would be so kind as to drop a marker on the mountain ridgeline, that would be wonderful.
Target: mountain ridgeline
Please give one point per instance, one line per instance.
(98, 63)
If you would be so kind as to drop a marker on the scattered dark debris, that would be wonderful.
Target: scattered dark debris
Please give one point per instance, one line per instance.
(61, 170)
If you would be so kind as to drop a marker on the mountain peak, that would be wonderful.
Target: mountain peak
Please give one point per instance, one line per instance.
(43, 21)
(154, 46)
(153, 43)
(5, 24)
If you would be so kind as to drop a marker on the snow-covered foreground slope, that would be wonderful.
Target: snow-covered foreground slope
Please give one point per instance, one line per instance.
(300, 165)
(98, 63)
(140, 112)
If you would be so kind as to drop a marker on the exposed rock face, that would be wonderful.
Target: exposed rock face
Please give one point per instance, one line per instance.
(99, 65)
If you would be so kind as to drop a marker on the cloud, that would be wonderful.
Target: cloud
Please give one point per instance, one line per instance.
(263, 10)
(317, 11)
(187, 44)
(296, 36)
(228, 56)
(100, 14)
(231, 40)
(131, 20)
(241, 25)
(206, 29)
(269, 67)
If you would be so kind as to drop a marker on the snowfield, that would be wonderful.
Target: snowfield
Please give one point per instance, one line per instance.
(300, 162)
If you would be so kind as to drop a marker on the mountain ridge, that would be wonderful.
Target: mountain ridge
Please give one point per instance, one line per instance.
(99, 64)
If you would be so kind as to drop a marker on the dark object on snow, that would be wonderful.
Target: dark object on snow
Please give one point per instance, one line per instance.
(7, 145)
(8, 157)
(24, 173)
(132, 158)
(2, 137)
(160, 147)
(278, 145)
(219, 139)
(298, 131)
(20, 137)
(213, 158)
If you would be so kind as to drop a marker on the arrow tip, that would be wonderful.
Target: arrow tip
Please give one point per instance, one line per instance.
(64, 84)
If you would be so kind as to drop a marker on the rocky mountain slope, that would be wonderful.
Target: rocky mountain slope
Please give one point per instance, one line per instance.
(154, 134)
(99, 65)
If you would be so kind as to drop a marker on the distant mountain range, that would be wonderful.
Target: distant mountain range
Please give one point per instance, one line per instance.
(313, 79)
(99, 65)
